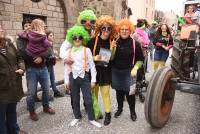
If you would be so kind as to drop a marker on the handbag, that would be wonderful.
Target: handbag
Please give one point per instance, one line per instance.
(96, 108)
(133, 83)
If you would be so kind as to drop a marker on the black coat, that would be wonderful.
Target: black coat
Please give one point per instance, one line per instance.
(11, 90)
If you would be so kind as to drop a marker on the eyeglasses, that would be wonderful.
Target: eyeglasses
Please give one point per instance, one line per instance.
(83, 22)
(77, 38)
(124, 30)
(106, 29)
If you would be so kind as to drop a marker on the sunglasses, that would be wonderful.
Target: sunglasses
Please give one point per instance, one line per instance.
(106, 29)
(83, 22)
(77, 38)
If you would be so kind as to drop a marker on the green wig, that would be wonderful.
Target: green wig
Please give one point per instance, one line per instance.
(77, 31)
(86, 14)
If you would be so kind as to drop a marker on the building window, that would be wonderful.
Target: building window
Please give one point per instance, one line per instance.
(152, 16)
(146, 14)
(35, 0)
(32, 17)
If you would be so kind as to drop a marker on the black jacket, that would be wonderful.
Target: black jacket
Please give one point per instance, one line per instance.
(11, 83)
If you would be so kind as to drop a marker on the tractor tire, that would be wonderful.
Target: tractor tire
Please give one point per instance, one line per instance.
(160, 97)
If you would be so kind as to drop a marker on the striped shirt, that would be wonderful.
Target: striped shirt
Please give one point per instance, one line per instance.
(3, 51)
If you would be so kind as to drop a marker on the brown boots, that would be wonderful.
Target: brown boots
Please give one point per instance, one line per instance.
(48, 110)
(22, 132)
(34, 116)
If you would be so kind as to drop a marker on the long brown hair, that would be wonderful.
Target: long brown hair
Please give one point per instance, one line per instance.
(48, 32)
(159, 31)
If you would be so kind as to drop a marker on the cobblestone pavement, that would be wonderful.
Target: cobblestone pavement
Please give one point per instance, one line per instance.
(185, 118)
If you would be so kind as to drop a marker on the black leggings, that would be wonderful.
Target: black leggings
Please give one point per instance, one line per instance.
(120, 99)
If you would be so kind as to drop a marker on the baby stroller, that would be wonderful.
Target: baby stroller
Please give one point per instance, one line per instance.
(141, 83)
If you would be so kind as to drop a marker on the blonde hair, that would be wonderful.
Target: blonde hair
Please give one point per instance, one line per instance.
(37, 25)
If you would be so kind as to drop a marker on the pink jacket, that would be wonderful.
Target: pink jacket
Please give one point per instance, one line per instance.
(142, 37)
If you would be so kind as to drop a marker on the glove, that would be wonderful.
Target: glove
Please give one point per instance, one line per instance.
(135, 68)
(134, 72)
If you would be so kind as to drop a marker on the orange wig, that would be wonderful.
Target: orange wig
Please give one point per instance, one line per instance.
(127, 23)
(103, 20)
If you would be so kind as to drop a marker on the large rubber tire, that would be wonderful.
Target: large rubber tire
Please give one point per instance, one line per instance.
(159, 98)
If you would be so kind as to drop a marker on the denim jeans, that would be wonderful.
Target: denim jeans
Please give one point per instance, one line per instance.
(161, 55)
(8, 119)
(84, 85)
(33, 76)
(52, 78)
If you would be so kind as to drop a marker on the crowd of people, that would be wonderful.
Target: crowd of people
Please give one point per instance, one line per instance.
(98, 54)
(192, 15)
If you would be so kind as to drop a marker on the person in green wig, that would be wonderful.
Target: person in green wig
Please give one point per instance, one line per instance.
(87, 19)
(77, 73)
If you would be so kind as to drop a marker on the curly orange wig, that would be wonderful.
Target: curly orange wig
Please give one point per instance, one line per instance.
(103, 20)
(125, 22)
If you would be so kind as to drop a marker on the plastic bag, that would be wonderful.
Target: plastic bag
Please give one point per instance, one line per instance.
(96, 108)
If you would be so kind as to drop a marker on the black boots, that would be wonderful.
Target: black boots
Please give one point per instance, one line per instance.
(107, 119)
(118, 113)
(58, 94)
(133, 116)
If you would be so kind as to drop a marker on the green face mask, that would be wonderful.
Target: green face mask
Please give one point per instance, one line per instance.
(164, 33)
(143, 26)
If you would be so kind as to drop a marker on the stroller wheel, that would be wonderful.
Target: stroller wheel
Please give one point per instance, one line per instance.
(141, 97)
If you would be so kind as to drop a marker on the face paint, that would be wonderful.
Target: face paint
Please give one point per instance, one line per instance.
(164, 33)
(88, 24)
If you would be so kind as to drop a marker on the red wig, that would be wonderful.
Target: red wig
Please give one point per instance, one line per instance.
(127, 23)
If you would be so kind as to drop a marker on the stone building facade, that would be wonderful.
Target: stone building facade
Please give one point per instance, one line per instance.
(105, 7)
(144, 9)
(58, 14)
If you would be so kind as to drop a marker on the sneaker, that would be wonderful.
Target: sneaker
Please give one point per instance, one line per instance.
(95, 123)
(118, 113)
(74, 122)
(33, 116)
